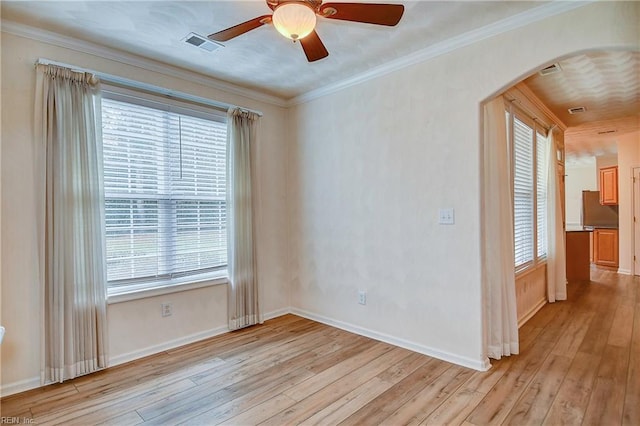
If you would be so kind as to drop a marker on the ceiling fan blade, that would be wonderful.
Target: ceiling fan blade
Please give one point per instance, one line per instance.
(370, 13)
(313, 47)
(240, 29)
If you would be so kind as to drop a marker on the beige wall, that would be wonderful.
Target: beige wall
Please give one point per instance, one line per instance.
(351, 198)
(135, 327)
(366, 181)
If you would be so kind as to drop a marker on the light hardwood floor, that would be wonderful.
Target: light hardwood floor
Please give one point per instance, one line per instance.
(579, 364)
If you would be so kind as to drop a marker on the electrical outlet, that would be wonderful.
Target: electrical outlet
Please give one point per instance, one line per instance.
(167, 309)
(362, 297)
(446, 216)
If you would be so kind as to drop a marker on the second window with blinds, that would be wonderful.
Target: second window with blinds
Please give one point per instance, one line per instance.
(530, 168)
(165, 192)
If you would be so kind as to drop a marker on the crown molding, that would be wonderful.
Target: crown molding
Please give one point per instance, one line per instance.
(115, 55)
(513, 22)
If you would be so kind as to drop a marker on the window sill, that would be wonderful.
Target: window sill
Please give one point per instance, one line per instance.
(152, 291)
(531, 268)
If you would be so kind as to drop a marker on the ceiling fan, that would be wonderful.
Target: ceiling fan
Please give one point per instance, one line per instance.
(296, 20)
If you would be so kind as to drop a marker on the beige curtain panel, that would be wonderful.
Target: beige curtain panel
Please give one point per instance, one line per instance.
(73, 275)
(241, 230)
(556, 258)
(498, 250)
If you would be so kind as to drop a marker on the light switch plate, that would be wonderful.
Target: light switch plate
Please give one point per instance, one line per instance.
(446, 216)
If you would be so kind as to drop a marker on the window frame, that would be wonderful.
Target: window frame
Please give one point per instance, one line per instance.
(512, 112)
(146, 287)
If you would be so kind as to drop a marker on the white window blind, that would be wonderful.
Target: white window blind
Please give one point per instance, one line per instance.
(542, 165)
(523, 192)
(165, 192)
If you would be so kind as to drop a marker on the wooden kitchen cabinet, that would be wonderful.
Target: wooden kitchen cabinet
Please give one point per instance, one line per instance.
(609, 186)
(605, 247)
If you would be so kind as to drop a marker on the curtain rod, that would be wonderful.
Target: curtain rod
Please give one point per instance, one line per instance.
(531, 114)
(133, 84)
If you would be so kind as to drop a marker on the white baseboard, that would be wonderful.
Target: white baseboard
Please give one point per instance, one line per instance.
(480, 365)
(20, 386)
(532, 312)
(24, 385)
(476, 364)
(624, 271)
(151, 350)
(170, 344)
(276, 313)
(28, 384)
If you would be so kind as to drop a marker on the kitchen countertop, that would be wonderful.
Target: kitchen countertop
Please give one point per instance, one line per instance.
(587, 228)
(578, 229)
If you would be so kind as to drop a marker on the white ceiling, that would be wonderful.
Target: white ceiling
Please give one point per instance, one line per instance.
(261, 59)
(606, 83)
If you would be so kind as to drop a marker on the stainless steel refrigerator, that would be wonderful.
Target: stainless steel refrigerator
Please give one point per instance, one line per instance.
(595, 214)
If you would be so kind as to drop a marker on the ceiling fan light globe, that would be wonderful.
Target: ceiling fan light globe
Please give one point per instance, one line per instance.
(294, 20)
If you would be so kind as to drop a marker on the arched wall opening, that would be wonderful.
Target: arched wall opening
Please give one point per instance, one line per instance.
(532, 292)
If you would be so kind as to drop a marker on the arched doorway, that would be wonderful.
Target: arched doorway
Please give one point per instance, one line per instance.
(545, 103)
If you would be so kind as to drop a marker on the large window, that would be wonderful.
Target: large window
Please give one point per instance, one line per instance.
(165, 192)
(529, 190)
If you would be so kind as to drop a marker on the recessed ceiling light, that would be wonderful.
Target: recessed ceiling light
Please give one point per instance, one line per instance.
(551, 69)
(576, 110)
(201, 42)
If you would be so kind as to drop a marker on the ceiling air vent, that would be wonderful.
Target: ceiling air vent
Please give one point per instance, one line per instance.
(576, 110)
(201, 42)
(551, 69)
(606, 132)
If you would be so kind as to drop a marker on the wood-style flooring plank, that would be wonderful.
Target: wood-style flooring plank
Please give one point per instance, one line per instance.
(608, 393)
(338, 371)
(622, 326)
(455, 409)
(100, 410)
(528, 335)
(571, 401)
(420, 406)
(579, 363)
(82, 399)
(597, 335)
(393, 398)
(56, 394)
(211, 414)
(211, 401)
(484, 381)
(128, 418)
(261, 412)
(572, 337)
(533, 405)
(312, 395)
(499, 401)
(343, 407)
(631, 412)
(226, 384)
